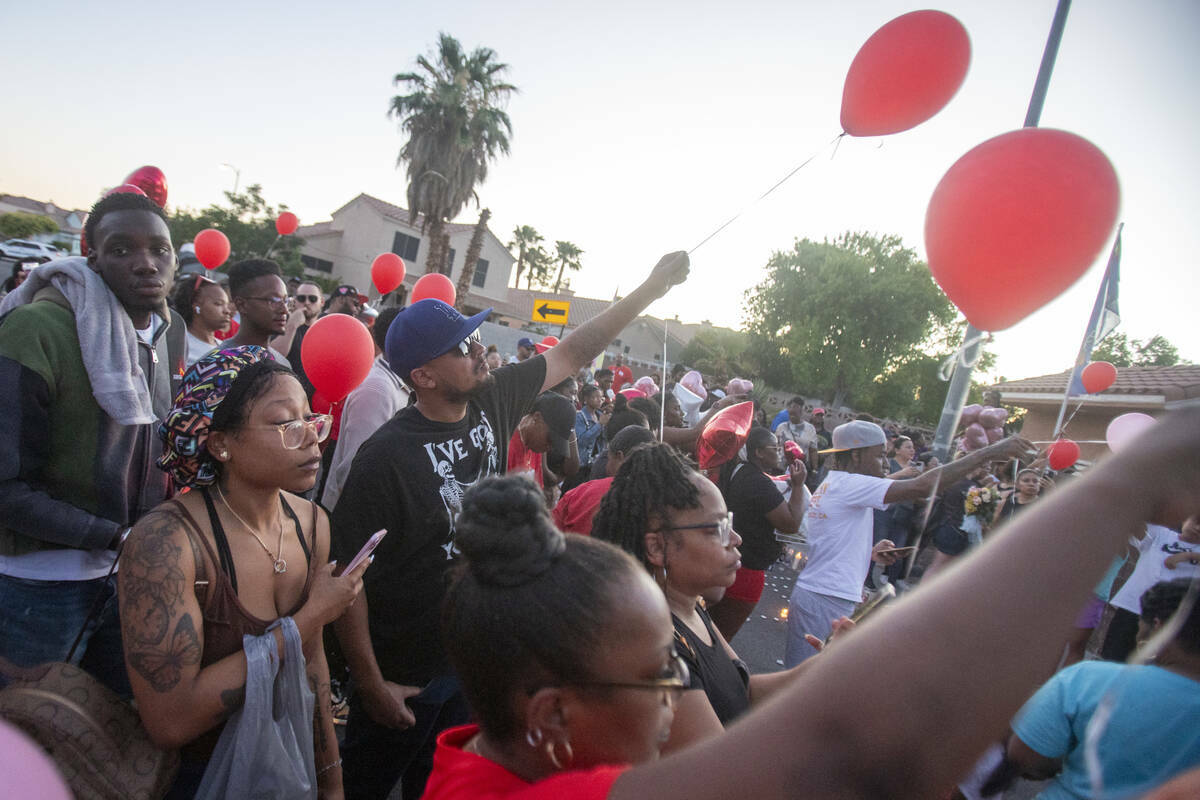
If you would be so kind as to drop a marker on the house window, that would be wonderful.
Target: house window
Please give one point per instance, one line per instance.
(450, 262)
(481, 267)
(318, 264)
(406, 246)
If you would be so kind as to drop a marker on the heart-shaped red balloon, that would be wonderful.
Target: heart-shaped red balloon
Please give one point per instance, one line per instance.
(150, 180)
(124, 188)
(1030, 210)
(724, 435)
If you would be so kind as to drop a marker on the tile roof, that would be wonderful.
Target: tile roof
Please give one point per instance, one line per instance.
(58, 214)
(1179, 382)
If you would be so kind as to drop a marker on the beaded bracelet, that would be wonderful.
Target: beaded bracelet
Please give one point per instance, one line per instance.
(328, 767)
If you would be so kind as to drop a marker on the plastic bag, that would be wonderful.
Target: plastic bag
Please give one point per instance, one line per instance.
(266, 749)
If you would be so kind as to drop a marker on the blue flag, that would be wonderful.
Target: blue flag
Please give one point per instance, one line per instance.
(1105, 316)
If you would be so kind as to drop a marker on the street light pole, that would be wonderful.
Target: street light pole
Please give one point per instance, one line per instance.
(960, 381)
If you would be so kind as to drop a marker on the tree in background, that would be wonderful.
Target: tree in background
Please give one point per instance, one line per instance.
(19, 225)
(567, 255)
(455, 123)
(524, 238)
(721, 353)
(538, 264)
(1121, 351)
(474, 248)
(249, 222)
(857, 319)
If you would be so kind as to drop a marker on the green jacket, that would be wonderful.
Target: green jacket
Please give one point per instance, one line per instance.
(70, 475)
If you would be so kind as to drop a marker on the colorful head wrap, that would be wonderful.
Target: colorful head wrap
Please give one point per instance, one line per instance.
(185, 430)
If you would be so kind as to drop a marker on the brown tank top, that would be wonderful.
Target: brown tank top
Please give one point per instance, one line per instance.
(226, 620)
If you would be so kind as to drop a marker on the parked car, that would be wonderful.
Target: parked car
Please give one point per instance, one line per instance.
(22, 248)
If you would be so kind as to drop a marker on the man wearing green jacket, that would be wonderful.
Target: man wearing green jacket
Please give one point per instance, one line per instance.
(85, 375)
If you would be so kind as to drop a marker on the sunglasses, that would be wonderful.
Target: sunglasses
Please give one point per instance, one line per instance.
(675, 679)
(473, 338)
(308, 298)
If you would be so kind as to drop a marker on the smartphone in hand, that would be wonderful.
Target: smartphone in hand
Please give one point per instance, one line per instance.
(366, 551)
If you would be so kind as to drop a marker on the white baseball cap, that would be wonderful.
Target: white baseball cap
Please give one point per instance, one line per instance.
(856, 434)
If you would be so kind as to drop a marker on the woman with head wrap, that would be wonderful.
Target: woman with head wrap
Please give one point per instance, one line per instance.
(228, 558)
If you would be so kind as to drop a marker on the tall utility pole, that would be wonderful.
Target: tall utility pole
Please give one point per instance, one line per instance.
(960, 381)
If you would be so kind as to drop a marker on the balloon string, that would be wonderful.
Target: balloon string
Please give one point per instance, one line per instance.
(835, 141)
(272, 247)
(959, 356)
(1063, 428)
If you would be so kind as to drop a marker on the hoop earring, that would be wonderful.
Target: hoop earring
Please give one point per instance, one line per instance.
(551, 747)
(197, 309)
(534, 737)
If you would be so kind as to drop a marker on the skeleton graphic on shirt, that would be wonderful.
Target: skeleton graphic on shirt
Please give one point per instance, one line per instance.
(444, 455)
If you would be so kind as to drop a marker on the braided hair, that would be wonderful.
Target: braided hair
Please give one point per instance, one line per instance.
(527, 606)
(1162, 600)
(653, 477)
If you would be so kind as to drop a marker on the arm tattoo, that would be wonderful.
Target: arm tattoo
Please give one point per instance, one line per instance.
(231, 701)
(321, 710)
(162, 667)
(152, 584)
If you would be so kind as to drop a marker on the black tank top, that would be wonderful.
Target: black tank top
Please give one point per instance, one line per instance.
(725, 680)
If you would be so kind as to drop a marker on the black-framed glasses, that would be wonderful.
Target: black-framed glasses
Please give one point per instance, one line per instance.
(308, 298)
(278, 302)
(295, 432)
(724, 528)
(473, 338)
(676, 678)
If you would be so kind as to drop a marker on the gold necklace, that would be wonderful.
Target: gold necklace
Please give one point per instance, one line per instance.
(280, 564)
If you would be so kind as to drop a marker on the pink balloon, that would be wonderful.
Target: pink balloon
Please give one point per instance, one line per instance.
(992, 417)
(970, 413)
(694, 383)
(739, 386)
(994, 434)
(27, 770)
(1124, 429)
(646, 385)
(974, 437)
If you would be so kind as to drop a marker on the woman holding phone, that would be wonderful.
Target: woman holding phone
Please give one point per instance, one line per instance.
(230, 557)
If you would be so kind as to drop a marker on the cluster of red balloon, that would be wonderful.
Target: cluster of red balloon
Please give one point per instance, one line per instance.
(1095, 377)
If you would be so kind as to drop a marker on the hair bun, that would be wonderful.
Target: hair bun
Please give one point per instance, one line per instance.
(505, 533)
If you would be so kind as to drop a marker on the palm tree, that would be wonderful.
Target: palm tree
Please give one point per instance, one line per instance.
(473, 250)
(568, 256)
(524, 237)
(537, 262)
(455, 125)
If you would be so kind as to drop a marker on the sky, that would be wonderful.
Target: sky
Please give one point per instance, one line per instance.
(639, 128)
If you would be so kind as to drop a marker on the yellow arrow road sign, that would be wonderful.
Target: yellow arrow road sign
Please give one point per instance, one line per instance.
(555, 311)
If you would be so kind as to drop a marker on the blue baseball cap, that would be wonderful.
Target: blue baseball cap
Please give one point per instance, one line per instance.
(425, 330)
(525, 342)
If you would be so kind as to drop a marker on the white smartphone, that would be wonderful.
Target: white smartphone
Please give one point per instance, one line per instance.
(366, 550)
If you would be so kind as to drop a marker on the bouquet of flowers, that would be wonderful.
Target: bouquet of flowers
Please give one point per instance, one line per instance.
(980, 506)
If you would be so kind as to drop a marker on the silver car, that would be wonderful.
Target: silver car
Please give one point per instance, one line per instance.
(22, 248)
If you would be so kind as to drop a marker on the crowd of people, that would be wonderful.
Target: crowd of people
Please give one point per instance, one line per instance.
(553, 583)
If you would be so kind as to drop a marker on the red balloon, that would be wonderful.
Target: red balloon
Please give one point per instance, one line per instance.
(724, 435)
(905, 73)
(387, 272)
(1098, 376)
(337, 353)
(212, 248)
(1063, 454)
(125, 188)
(151, 181)
(1030, 209)
(549, 341)
(229, 334)
(286, 223)
(83, 248)
(319, 404)
(436, 286)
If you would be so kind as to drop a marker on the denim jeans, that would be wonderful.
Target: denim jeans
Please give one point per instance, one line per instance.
(39, 621)
(376, 757)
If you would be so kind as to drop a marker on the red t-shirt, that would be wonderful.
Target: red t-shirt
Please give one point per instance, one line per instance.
(575, 510)
(621, 375)
(520, 459)
(458, 775)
